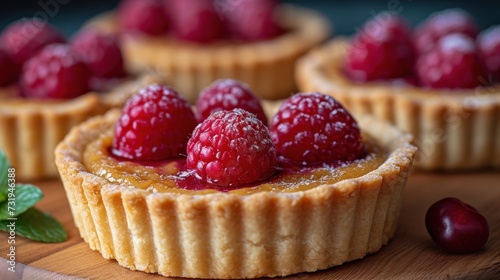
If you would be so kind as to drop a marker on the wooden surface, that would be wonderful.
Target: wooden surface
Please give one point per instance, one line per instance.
(410, 255)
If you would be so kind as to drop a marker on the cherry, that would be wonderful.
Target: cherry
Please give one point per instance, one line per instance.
(456, 227)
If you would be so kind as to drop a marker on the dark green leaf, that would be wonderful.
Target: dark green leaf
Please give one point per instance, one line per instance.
(4, 170)
(37, 226)
(26, 196)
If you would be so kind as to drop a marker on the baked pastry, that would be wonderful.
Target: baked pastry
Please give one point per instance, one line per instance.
(31, 129)
(40, 104)
(193, 63)
(446, 103)
(202, 216)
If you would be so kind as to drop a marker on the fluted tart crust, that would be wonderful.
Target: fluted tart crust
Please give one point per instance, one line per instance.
(31, 129)
(267, 67)
(232, 234)
(454, 129)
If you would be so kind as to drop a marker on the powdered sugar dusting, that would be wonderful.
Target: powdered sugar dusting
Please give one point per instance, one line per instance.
(460, 42)
(489, 38)
(450, 17)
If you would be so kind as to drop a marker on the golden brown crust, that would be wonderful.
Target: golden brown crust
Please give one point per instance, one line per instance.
(31, 129)
(224, 235)
(457, 129)
(266, 66)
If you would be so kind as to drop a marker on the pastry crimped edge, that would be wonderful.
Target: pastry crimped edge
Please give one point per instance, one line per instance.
(267, 66)
(31, 129)
(228, 235)
(454, 129)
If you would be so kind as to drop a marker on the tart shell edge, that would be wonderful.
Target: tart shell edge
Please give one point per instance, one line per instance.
(223, 235)
(31, 130)
(267, 66)
(453, 132)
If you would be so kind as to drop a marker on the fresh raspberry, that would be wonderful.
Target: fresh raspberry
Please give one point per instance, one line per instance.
(311, 129)
(453, 63)
(381, 50)
(195, 21)
(9, 71)
(252, 20)
(227, 95)
(100, 52)
(143, 16)
(55, 72)
(231, 148)
(440, 24)
(488, 43)
(155, 125)
(25, 38)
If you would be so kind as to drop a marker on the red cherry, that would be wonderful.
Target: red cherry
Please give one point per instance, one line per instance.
(456, 227)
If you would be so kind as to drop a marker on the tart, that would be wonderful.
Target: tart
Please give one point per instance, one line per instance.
(266, 65)
(55, 90)
(31, 129)
(164, 218)
(455, 127)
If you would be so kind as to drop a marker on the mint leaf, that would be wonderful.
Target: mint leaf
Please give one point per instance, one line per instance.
(37, 226)
(4, 167)
(26, 196)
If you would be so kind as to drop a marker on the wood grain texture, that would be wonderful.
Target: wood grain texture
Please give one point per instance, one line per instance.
(410, 255)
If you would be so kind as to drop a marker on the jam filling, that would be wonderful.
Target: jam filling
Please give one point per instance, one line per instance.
(186, 179)
(173, 175)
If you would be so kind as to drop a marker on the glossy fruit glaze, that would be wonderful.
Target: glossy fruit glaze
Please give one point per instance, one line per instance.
(173, 176)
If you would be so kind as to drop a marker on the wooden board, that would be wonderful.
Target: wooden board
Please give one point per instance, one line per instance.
(410, 255)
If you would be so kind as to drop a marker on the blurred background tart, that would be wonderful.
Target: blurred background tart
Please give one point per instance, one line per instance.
(438, 82)
(48, 85)
(195, 42)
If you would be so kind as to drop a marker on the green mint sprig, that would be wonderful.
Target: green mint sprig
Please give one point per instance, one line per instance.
(17, 208)
(26, 196)
(4, 167)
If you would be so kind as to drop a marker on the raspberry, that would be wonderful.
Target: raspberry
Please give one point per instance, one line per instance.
(313, 128)
(231, 148)
(381, 50)
(227, 95)
(25, 38)
(144, 16)
(8, 69)
(195, 21)
(155, 125)
(100, 52)
(488, 43)
(440, 24)
(252, 20)
(55, 72)
(453, 63)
